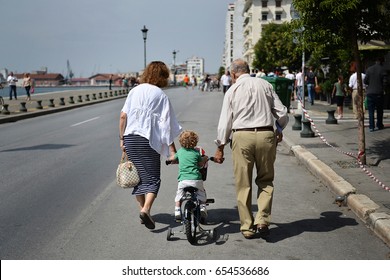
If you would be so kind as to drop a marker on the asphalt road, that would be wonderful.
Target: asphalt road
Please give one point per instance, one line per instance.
(59, 200)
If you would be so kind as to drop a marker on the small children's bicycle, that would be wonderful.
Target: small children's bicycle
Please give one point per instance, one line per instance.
(191, 215)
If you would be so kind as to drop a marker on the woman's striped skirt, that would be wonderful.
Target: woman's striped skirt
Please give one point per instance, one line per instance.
(147, 161)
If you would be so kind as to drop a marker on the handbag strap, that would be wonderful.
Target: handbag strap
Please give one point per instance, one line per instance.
(124, 157)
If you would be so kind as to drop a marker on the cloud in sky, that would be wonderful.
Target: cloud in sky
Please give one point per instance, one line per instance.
(99, 36)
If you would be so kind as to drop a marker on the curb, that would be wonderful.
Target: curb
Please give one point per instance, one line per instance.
(361, 205)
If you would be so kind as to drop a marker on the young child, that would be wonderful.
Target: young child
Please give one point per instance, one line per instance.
(190, 163)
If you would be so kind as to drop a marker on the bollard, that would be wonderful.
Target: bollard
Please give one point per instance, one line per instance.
(307, 132)
(331, 119)
(23, 107)
(87, 97)
(80, 99)
(4, 110)
(39, 104)
(105, 95)
(51, 103)
(62, 101)
(71, 101)
(100, 95)
(298, 122)
(93, 96)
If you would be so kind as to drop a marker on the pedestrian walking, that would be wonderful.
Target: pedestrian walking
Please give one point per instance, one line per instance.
(376, 81)
(11, 79)
(249, 109)
(27, 83)
(147, 129)
(226, 81)
(186, 81)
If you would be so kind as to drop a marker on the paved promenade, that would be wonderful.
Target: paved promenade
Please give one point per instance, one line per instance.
(333, 159)
(333, 163)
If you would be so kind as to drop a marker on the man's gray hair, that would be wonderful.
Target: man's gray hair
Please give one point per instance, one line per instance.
(239, 66)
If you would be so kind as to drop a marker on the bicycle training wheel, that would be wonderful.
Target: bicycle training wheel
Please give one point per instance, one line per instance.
(190, 222)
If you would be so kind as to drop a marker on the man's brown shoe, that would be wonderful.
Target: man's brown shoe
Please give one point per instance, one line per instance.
(263, 230)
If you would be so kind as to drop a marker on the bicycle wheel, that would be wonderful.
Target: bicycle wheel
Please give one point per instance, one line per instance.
(190, 222)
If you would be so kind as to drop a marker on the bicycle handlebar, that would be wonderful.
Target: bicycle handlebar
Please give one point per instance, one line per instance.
(167, 162)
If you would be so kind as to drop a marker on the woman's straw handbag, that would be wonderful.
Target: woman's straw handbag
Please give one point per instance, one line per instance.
(126, 173)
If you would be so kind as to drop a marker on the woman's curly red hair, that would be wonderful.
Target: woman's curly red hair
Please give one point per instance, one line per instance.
(156, 73)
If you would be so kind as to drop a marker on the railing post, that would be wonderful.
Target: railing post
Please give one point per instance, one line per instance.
(39, 104)
(51, 103)
(4, 110)
(23, 107)
(298, 122)
(331, 119)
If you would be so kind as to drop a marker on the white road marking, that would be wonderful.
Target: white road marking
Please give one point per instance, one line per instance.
(76, 124)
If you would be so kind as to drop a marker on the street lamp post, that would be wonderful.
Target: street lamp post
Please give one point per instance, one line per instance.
(306, 125)
(144, 35)
(174, 66)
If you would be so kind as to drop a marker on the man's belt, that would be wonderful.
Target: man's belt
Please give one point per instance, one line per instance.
(255, 129)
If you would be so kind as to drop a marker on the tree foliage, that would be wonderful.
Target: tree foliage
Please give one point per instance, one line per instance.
(330, 25)
(276, 48)
(342, 23)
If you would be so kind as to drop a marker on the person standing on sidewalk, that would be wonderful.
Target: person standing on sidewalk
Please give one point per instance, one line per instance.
(311, 83)
(339, 90)
(12, 85)
(249, 110)
(353, 84)
(110, 83)
(376, 81)
(299, 84)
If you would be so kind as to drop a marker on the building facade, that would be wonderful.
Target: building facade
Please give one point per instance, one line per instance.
(253, 15)
(195, 66)
(234, 39)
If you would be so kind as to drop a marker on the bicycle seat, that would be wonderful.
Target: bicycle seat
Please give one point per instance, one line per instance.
(190, 189)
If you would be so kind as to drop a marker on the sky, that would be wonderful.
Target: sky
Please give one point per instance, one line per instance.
(100, 36)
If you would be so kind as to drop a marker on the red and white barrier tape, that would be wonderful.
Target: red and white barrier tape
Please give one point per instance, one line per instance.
(353, 155)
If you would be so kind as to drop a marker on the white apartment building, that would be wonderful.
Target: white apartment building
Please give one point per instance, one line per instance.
(234, 39)
(255, 14)
(195, 66)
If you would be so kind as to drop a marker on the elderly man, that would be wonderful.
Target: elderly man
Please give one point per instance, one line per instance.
(248, 114)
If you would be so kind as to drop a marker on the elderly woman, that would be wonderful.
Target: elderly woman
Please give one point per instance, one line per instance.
(147, 129)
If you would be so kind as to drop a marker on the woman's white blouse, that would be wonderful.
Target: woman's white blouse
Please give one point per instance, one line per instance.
(150, 114)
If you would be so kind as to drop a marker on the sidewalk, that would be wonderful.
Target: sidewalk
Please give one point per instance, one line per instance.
(338, 171)
(336, 165)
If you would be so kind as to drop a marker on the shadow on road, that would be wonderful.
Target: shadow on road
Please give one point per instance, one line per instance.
(328, 221)
(40, 147)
